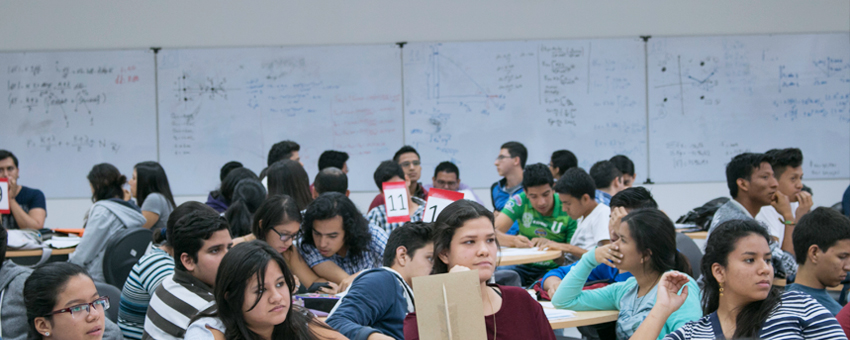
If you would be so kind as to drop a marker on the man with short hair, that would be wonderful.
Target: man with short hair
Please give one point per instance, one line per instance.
(541, 220)
(389, 171)
(791, 202)
(333, 158)
(608, 180)
(626, 167)
(561, 161)
(27, 205)
(509, 164)
(577, 193)
(330, 179)
(284, 150)
(199, 241)
(447, 177)
(379, 299)
(822, 244)
(408, 158)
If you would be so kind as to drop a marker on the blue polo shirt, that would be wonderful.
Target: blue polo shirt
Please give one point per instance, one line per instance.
(500, 196)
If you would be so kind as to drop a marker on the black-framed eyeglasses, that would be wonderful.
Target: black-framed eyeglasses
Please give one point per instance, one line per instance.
(101, 304)
(284, 237)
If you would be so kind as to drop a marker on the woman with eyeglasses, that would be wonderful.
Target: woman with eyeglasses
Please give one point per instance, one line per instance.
(62, 303)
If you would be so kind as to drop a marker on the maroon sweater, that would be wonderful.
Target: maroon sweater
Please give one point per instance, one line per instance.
(520, 317)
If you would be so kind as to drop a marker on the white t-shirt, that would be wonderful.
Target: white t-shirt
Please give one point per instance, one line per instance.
(592, 229)
(774, 221)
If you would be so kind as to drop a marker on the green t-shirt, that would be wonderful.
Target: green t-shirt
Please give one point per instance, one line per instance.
(558, 227)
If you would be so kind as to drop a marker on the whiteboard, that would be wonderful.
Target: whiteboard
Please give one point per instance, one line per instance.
(64, 112)
(464, 100)
(711, 98)
(220, 105)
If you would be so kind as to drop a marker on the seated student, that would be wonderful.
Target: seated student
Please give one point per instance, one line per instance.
(199, 240)
(109, 214)
(288, 177)
(330, 179)
(215, 199)
(447, 177)
(542, 221)
(822, 243)
(28, 208)
(509, 164)
(408, 158)
(792, 202)
(389, 171)
(248, 195)
(739, 301)
(626, 167)
(621, 205)
(280, 151)
(337, 241)
(228, 185)
(149, 185)
(561, 161)
(253, 300)
(379, 299)
(577, 193)
(62, 303)
(608, 180)
(646, 247)
(334, 159)
(465, 239)
(147, 274)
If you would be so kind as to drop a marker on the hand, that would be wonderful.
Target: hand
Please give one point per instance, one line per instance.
(13, 188)
(617, 215)
(669, 299)
(332, 291)
(458, 268)
(805, 200)
(782, 205)
(609, 254)
(521, 242)
(127, 195)
(551, 285)
(539, 242)
(378, 336)
(343, 285)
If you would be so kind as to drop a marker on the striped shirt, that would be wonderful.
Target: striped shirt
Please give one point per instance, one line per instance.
(177, 300)
(144, 278)
(378, 216)
(351, 263)
(798, 316)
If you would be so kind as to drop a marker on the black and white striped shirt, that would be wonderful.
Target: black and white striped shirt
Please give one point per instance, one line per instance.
(177, 300)
(798, 316)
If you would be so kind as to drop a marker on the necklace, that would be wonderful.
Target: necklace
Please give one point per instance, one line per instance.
(639, 300)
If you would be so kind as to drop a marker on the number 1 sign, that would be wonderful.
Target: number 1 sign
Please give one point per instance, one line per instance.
(438, 199)
(395, 201)
(4, 196)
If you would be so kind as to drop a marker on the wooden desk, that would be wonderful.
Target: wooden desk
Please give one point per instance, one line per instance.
(699, 235)
(508, 260)
(586, 319)
(37, 252)
(783, 283)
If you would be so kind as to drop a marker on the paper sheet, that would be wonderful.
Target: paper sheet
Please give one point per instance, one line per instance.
(553, 314)
(520, 251)
(60, 242)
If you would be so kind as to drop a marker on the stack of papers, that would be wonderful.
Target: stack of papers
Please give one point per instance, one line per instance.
(520, 251)
(554, 314)
(60, 242)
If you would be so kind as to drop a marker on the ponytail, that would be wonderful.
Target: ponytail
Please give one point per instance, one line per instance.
(682, 264)
(248, 195)
(239, 218)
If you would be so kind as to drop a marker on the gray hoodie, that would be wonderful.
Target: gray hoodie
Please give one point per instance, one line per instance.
(14, 312)
(105, 218)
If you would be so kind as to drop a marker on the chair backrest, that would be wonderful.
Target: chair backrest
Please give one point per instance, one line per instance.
(689, 248)
(114, 294)
(123, 251)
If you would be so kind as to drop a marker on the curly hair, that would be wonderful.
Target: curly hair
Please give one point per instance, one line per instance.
(333, 204)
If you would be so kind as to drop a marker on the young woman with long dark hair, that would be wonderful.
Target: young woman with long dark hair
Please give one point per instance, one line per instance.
(62, 303)
(287, 177)
(248, 195)
(149, 185)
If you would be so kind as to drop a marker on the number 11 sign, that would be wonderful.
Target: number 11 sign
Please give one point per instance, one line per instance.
(395, 201)
(438, 199)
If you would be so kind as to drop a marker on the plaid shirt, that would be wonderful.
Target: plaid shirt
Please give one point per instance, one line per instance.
(372, 258)
(378, 216)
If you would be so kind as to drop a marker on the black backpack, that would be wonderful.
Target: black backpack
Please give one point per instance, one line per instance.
(701, 216)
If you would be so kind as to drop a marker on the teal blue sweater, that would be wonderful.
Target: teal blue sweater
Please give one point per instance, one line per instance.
(621, 296)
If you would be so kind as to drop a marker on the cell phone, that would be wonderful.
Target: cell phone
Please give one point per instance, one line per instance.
(316, 286)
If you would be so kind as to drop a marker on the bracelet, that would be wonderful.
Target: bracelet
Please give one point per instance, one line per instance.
(789, 222)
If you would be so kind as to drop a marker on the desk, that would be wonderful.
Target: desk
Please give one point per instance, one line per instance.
(508, 260)
(586, 318)
(37, 252)
(783, 283)
(699, 235)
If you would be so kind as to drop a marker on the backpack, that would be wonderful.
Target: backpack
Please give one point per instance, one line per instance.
(701, 216)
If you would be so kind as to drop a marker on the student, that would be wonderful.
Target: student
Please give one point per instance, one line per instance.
(29, 208)
(738, 299)
(389, 171)
(561, 161)
(147, 274)
(791, 201)
(408, 158)
(248, 195)
(621, 205)
(822, 244)
(330, 179)
(542, 222)
(253, 300)
(608, 180)
(447, 177)
(465, 239)
(215, 199)
(379, 299)
(577, 193)
(509, 164)
(284, 150)
(62, 303)
(337, 241)
(109, 215)
(646, 247)
(335, 159)
(229, 185)
(288, 177)
(149, 186)
(199, 240)
(626, 167)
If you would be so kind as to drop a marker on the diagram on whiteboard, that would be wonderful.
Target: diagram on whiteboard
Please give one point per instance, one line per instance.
(692, 80)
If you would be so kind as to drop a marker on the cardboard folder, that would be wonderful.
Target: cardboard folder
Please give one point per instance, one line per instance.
(449, 307)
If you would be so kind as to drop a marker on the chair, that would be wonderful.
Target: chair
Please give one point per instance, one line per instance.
(691, 251)
(123, 251)
(114, 294)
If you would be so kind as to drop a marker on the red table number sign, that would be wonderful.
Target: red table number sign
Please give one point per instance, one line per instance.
(4, 196)
(395, 200)
(438, 199)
